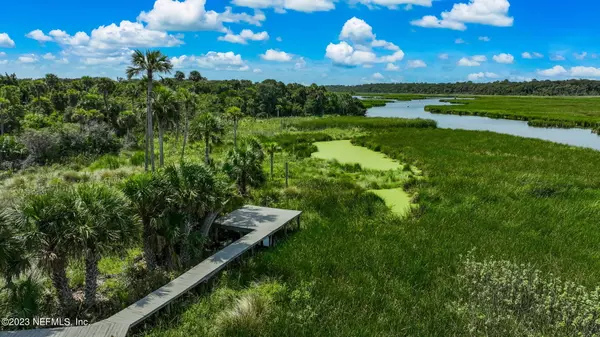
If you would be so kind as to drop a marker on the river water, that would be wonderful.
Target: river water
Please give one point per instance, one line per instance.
(415, 109)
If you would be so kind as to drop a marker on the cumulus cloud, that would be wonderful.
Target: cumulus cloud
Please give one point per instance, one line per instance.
(281, 6)
(579, 72)
(257, 71)
(245, 36)
(276, 56)
(534, 55)
(378, 76)
(485, 12)
(191, 15)
(212, 60)
(300, 64)
(417, 64)
(443, 56)
(473, 61)
(28, 58)
(557, 57)
(392, 67)
(49, 56)
(504, 58)
(2, 54)
(356, 46)
(6, 41)
(39, 36)
(460, 41)
(554, 71)
(484, 39)
(481, 76)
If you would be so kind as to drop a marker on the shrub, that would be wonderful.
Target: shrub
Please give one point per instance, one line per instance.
(501, 298)
(43, 146)
(108, 161)
(12, 152)
(246, 317)
(138, 158)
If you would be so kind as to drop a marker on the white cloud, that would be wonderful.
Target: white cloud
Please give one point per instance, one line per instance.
(276, 56)
(39, 36)
(257, 71)
(417, 64)
(378, 76)
(49, 56)
(473, 61)
(430, 21)
(300, 64)
(6, 41)
(2, 54)
(281, 6)
(504, 58)
(212, 60)
(179, 62)
(191, 15)
(245, 36)
(554, 71)
(393, 4)
(460, 41)
(481, 76)
(279, 39)
(28, 58)
(484, 39)
(361, 36)
(485, 12)
(528, 55)
(2, 62)
(392, 67)
(443, 56)
(557, 57)
(580, 56)
(585, 71)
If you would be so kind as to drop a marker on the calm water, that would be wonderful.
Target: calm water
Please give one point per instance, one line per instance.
(415, 109)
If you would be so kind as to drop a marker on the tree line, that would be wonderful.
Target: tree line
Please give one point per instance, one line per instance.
(532, 88)
(87, 111)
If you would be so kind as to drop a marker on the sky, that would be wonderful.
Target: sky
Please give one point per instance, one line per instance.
(307, 41)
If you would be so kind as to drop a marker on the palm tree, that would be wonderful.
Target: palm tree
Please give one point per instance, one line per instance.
(105, 224)
(132, 91)
(244, 165)
(148, 193)
(187, 103)
(46, 220)
(235, 114)
(166, 111)
(106, 86)
(207, 127)
(271, 149)
(153, 61)
(13, 255)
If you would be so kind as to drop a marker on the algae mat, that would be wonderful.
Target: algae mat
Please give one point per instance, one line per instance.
(344, 152)
(396, 199)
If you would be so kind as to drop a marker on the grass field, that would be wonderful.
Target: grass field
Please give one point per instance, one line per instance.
(397, 97)
(356, 269)
(564, 112)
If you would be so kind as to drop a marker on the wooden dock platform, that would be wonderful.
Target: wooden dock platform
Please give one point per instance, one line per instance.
(258, 223)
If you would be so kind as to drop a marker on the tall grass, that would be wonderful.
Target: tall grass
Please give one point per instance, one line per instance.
(362, 123)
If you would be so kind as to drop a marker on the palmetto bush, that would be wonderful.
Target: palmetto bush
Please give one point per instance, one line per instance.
(502, 298)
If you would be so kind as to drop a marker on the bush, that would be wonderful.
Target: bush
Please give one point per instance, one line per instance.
(138, 158)
(108, 161)
(501, 298)
(12, 152)
(43, 146)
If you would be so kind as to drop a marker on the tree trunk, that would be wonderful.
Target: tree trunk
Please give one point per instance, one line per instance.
(235, 126)
(91, 277)
(206, 151)
(61, 282)
(185, 137)
(177, 133)
(209, 220)
(1, 128)
(160, 144)
(243, 184)
(149, 255)
(272, 155)
(149, 120)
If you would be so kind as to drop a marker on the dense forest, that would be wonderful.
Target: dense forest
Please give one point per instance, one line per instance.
(533, 88)
(49, 119)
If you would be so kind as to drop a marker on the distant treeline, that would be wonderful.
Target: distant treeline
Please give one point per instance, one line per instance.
(533, 88)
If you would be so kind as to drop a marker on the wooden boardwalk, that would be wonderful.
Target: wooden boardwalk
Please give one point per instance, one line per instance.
(259, 224)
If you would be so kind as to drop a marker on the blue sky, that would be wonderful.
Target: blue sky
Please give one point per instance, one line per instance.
(306, 41)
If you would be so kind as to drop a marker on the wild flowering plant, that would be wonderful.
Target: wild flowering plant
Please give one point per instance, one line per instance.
(501, 298)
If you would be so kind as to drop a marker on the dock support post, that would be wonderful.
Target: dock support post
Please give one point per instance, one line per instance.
(298, 222)
(287, 174)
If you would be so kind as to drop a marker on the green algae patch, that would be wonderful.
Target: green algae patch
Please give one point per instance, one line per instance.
(346, 153)
(396, 199)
